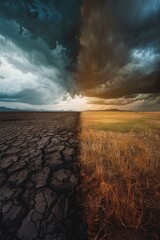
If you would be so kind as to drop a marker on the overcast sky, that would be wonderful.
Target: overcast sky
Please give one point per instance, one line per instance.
(80, 54)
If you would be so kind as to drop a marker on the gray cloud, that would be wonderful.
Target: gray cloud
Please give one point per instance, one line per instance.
(142, 102)
(52, 21)
(23, 71)
(38, 47)
(120, 52)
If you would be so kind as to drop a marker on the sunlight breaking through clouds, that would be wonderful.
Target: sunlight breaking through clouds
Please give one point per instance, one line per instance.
(100, 49)
(24, 78)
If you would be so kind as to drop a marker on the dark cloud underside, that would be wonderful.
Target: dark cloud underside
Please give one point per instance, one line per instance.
(120, 51)
(53, 21)
(40, 39)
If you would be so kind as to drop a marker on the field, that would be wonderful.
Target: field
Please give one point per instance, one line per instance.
(120, 157)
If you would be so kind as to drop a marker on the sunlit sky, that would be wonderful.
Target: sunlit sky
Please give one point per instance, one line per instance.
(80, 55)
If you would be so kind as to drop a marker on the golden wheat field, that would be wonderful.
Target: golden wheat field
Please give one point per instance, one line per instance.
(120, 156)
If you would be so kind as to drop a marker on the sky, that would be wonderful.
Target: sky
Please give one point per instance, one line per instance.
(80, 54)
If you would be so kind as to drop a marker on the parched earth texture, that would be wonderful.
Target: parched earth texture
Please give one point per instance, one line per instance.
(39, 175)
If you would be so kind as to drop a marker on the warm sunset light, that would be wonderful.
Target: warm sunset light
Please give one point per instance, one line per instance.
(77, 100)
(78, 103)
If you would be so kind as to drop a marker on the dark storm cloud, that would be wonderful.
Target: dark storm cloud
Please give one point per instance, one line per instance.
(39, 70)
(26, 96)
(145, 99)
(53, 21)
(120, 53)
(39, 42)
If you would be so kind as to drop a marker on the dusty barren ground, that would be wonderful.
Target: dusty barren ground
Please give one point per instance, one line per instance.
(38, 176)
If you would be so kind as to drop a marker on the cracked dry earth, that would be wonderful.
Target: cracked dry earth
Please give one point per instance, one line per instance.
(39, 175)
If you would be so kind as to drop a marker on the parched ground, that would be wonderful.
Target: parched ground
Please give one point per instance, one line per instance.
(39, 174)
(54, 176)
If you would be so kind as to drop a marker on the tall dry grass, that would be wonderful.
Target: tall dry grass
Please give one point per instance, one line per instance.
(121, 179)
